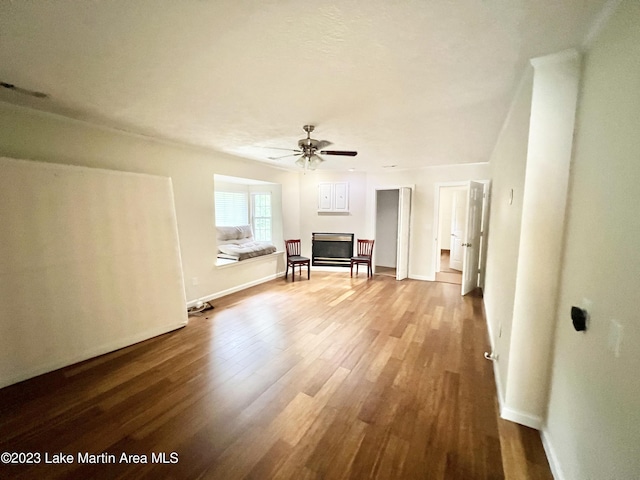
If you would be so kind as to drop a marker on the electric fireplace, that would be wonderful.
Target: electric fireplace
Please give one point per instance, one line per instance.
(331, 249)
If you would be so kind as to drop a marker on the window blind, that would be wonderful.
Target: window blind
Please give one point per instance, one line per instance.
(232, 209)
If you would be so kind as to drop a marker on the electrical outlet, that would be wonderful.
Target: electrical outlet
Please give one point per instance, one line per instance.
(500, 331)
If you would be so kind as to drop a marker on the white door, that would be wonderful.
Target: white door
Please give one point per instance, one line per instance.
(472, 238)
(404, 211)
(458, 223)
(341, 197)
(325, 196)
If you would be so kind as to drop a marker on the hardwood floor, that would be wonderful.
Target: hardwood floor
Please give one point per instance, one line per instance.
(388, 271)
(333, 377)
(446, 273)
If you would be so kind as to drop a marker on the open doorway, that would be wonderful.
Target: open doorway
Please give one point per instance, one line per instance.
(386, 256)
(392, 214)
(459, 214)
(452, 212)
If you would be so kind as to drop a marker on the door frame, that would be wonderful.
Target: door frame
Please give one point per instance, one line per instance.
(435, 259)
(473, 242)
(435, 263)
(374, 218)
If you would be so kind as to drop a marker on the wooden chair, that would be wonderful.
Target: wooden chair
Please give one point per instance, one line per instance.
(365, 252)
(294, 258)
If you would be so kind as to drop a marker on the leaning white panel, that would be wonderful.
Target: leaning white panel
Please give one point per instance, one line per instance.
(89, 263)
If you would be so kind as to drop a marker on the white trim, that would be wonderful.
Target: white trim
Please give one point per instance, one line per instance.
(235, 289)
(523, 418)
(559, 57)
(424, 278)
(435, 259)
(91, 353)
(225, 263)
(498, 379)
(552, 458)
(374, 215)
(496, 368)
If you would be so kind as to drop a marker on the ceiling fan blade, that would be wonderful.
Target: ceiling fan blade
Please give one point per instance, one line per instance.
(283, 156)
(323, 144)
(279, 148)
(345, 153)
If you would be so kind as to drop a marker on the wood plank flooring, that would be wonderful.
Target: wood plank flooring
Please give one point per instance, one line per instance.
(333, 377)
(446, 273)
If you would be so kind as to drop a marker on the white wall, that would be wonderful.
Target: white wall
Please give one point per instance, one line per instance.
(312, 221)
(530, 164)
(422, 243)
(551, 128)
(386, 245)
(90, 263)
(593, 420)
(508, 163)
(34, 135)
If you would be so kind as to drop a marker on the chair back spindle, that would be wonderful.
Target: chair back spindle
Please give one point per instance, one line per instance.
(365, 248)
(293, 248)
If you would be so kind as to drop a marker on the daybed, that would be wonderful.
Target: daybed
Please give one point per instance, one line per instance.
(237, 243)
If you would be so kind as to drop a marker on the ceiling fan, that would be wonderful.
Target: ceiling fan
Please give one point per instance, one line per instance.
(308, 150)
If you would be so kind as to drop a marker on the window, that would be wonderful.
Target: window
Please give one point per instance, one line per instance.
(261, 216)
(232, 209)
(244, 201)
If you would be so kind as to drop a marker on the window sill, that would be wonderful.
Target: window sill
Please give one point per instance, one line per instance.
(225, 263)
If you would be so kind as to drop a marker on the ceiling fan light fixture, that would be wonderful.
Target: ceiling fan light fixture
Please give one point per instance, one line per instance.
(314, 162)
(309, 148)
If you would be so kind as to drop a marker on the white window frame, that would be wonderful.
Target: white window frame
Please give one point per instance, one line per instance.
(258, 233)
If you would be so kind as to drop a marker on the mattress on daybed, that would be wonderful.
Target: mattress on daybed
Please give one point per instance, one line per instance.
(237, 243)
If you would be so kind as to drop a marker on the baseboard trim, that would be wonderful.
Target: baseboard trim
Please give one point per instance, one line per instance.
(496, 369)
(424, 278)
(523, 418)
(552, 458)
(235, 289)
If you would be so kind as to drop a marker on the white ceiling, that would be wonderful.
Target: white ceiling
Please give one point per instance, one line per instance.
(412, 82)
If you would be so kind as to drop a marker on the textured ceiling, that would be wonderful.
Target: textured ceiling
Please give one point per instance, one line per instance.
(411, 83)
